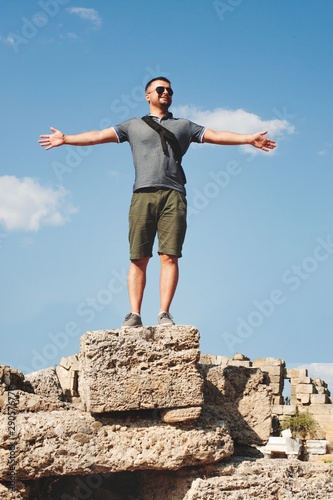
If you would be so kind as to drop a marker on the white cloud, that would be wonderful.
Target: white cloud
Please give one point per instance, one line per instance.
(25, 205)
(320, 370)
(238, 121)
(89, 14)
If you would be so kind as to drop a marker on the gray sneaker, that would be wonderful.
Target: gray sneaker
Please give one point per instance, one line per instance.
(131, 320)
(165, 318)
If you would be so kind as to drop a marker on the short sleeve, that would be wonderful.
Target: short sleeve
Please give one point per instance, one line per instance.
(197, 132)
(122, 130)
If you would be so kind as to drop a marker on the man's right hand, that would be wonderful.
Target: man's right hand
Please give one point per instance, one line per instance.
(52, 140)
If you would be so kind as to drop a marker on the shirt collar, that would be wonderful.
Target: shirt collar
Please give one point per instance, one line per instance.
(167, 115)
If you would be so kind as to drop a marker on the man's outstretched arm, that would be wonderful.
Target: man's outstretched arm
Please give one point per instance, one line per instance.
(230, 139)
(85, 139)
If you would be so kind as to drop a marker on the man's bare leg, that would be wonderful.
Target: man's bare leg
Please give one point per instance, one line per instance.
(136, 281)
(168, 280)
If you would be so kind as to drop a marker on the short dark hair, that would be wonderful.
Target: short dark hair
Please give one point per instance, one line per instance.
(154, 79)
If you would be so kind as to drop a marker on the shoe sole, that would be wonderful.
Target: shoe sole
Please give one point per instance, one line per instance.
(130, 326)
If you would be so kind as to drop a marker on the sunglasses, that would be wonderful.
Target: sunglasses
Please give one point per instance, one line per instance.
(160, 90)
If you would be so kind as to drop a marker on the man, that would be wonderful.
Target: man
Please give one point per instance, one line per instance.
(159, 198)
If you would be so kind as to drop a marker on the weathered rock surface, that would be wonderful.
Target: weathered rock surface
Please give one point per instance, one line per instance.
(26, 402)
(45, 383)
(237, 395)
(264, 479)
(181, 414)
(67, 372)
(71, 442)
(140, 368)
(234, 479)
(10, 377)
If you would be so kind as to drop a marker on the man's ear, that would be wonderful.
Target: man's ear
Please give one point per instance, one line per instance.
(148, 97)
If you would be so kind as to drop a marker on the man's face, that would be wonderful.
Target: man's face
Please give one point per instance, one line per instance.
(161, 100)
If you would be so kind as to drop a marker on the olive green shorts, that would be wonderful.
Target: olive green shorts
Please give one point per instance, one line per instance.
(157, 210)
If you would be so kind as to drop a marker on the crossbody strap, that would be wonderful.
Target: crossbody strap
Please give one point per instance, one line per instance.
(165, 134)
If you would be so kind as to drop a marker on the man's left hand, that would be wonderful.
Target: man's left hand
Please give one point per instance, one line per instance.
(261, 142)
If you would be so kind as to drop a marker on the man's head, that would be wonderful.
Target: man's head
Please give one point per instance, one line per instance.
(159, 92)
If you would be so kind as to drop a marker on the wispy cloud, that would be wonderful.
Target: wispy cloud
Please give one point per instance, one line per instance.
(238, 121)
(25, 205)
(8, 40)
(90, 14)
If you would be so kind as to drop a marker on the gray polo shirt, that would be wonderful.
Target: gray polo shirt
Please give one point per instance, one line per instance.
(153, 167)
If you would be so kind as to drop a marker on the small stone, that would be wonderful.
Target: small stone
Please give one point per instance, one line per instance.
(174, 415)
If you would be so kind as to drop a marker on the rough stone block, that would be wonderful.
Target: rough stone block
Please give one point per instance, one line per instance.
(275, 362)
(276, 388)
(181, 414)
(277, 409)
(319, 382)
(29, 402)
(274, 371)
(10, 377)
(304, 389)
(259, 362)
(73, 442)
(238, 396)
(70, 362)
(45, 383)
(211, 359)
(236, 362)
(275, 379)
(319, 399)
(140, 368)
(296, 372)
(305, 380)
(304, 399)
(240, 357)
(289, 409)
(277, 400)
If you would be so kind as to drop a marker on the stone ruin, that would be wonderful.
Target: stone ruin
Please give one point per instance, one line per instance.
(139, 414)
(305, 393)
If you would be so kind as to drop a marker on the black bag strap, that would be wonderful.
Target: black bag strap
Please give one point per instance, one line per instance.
(165, 134)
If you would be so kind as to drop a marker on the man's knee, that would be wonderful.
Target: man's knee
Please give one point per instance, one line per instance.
(141, 263)
(168, 259)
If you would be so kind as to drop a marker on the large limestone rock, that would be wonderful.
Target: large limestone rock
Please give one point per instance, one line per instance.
(233, 479)
(45, 383)
(262, 479)
(140, 368)
(71, 442)
(237, 395)
(67, 372)
(10, 377)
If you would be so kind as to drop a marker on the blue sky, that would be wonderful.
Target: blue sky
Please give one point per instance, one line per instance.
(257, 271)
